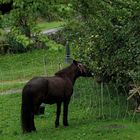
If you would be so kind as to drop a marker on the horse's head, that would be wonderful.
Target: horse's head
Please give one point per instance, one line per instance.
(82, 70)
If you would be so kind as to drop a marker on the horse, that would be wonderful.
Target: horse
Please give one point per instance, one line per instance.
(57, 89)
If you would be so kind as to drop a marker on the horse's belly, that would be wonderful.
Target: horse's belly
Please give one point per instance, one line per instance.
(57, 90)
(53, 99)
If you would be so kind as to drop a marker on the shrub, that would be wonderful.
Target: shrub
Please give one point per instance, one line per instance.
(107, 38)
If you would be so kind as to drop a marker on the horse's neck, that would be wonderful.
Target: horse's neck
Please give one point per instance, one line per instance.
(69, 73)
(72, 76)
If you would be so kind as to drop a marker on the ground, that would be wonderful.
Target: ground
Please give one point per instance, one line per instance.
(95, 112)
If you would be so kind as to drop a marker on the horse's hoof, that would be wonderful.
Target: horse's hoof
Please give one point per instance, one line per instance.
(56, 125)
(66, 125)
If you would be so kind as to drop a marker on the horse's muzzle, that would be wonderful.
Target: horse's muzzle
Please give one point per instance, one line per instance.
(89, 74)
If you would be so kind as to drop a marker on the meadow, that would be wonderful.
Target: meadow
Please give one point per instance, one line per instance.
(49, 25)
(95, 112)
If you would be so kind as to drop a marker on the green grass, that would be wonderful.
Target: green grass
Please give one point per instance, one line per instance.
(8, 86)
(22, 67)
(93, 113)
(84, 119)
(50, 25)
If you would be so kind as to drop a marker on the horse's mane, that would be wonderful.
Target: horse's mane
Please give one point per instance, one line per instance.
(65, 71)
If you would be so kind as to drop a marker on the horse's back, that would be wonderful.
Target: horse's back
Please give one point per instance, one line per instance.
(49, 89)
(36, 88)
(36, 84)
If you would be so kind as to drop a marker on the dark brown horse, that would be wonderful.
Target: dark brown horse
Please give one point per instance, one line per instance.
(50, 90)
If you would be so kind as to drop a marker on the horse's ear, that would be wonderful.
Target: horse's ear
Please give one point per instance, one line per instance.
(75, 62)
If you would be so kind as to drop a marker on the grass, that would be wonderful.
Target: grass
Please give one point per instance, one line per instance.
(18, 68)
(93, 113)
(84, 119)
(8, 86)
(50, 25)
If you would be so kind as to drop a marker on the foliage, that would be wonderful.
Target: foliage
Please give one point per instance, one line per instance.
(65, 11)
(3, 42)
(22, 20)
(107, 37)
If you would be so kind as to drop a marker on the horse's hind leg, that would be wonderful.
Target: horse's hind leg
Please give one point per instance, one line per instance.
(58, 114)
(65, 113)
(32, 124)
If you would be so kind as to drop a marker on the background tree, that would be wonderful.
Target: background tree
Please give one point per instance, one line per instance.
(22, 19)
(5, 7)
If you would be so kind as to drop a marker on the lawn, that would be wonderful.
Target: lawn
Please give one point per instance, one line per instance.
(86, 121)
(50, 25)
(16, 69)
(95, 112)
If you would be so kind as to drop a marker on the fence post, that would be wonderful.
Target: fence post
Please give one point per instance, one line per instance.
(67, 59)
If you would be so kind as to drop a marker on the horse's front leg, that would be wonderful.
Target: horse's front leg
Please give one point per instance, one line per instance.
(65, 113)
(58, 111)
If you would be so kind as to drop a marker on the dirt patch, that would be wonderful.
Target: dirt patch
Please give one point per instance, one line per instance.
(12, 82)
(12, 91)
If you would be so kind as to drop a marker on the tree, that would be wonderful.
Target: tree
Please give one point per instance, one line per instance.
(6, 7)
(21, 16)
(107, 38)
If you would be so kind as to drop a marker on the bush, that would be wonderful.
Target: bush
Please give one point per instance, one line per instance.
(107, 38)
(14, 42)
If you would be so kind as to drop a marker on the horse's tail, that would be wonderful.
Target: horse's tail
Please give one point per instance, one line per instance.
(27, 115)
